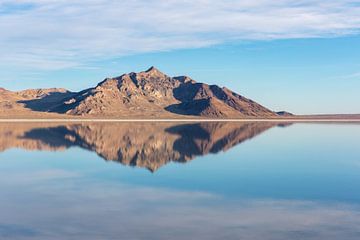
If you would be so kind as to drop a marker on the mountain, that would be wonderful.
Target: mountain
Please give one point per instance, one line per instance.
(144, 145)
(149, 94)
(31, 102)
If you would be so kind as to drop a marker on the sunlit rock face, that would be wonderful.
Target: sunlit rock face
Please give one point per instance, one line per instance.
(145, 145)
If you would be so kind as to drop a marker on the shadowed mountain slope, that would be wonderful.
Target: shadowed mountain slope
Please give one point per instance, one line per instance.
(31, 102)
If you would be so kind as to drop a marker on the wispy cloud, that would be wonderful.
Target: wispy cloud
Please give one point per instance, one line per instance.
(355, 75)
(59, 34)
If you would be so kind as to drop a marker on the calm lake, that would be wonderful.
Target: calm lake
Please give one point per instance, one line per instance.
(179, 181)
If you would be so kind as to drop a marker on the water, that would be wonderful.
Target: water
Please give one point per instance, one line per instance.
(179, 181)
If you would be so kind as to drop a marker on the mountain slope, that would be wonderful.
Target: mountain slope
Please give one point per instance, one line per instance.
(31, 102)
(130, 94)
(152, 93)
(147, 94)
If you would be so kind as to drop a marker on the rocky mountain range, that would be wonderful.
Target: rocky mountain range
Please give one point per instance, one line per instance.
(147, 94)
(144, 145)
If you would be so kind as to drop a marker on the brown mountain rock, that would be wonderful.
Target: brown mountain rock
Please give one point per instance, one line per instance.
(148, 94)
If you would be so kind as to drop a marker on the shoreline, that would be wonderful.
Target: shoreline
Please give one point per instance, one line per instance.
(340, 120)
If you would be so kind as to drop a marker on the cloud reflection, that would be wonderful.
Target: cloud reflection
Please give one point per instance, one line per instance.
(112, 211)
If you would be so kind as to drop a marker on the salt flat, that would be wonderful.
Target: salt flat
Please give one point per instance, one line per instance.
(183, 120)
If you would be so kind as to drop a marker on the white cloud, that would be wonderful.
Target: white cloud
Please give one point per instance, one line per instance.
(66, 33)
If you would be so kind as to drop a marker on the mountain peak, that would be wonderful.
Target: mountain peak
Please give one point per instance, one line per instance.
(152, 69)
(149, 93)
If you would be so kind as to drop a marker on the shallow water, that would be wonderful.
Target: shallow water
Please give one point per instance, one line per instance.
(179, 181)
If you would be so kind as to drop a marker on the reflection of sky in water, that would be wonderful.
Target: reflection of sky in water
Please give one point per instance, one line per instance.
(298, 182)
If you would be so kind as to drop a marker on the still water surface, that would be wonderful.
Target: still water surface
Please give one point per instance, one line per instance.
(179, 181)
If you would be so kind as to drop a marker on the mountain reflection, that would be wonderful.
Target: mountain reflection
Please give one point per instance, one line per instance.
(146, 145)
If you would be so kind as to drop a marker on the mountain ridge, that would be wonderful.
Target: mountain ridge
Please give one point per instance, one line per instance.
(149, 93)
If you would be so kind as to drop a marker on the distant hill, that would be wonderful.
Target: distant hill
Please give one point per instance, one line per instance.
(284, 114)
(148, 94)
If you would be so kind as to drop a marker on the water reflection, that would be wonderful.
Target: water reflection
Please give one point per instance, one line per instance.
(299, 182)
(117, 211)
(146, 145)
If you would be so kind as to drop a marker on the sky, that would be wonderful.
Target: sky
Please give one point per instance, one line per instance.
(299, 56)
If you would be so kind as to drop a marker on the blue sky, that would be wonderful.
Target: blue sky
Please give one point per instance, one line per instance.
(303, 57)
